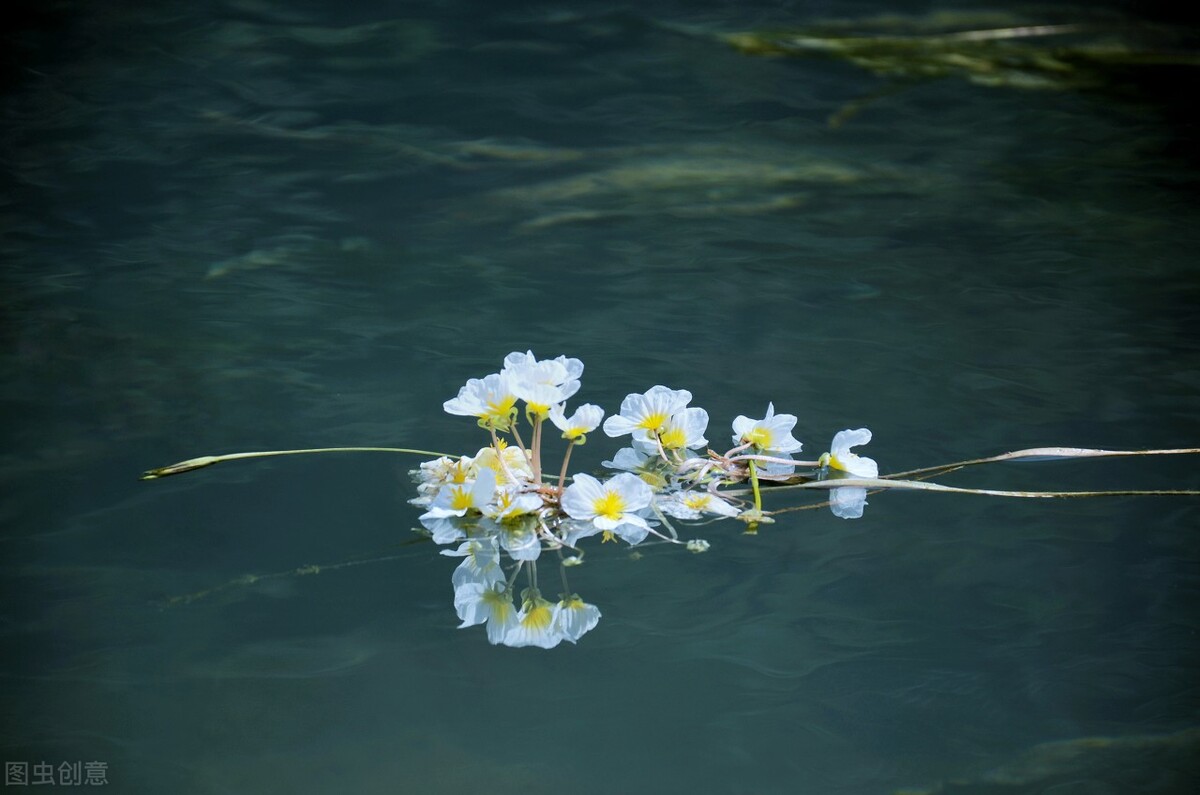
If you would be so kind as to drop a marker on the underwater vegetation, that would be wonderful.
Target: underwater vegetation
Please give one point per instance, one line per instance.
(1156, 763)
(986, 49)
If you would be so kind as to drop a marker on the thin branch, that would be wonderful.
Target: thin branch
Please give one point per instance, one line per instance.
(209, 460)
(1042, 454)
(917, 485)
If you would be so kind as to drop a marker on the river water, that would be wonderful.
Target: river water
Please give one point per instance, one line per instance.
(250, 225)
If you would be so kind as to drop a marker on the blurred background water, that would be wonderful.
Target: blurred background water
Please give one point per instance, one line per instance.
(250, 224)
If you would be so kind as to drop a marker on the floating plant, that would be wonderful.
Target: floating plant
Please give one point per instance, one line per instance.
(503, 512)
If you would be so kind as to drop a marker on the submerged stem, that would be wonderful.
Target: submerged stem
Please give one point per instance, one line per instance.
(513, 577)
(562, 570)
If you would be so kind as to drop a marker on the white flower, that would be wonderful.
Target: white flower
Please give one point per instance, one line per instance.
(510, 460)
(691, 504)
(585, 420)
(538, 397)
(481, 562)
(573, 617)
(535, 625)
(490, 398)
(477, 603)
(572, 369)
(629, 459)
(684, 430)
(433, 475)
(443, 519)
(839, 455)
(647, 414)
(848, 501)
(545, 383)
(439, 471)
(644, 461)
(772, 435)
(455, 499)
(611, 506)
(510, 504)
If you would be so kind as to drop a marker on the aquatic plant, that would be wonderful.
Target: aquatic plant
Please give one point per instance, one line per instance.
(503, 512)
(1080, 56)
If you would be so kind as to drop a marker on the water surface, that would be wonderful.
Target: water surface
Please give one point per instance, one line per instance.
(254, 225)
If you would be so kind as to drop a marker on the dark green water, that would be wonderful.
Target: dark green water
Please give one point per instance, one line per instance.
(259, 225)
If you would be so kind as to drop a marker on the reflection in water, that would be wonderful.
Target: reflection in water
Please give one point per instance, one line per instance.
(287, 658)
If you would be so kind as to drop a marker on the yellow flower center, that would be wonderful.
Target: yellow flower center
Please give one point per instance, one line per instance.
(610, 506)
(673, 438)
(500, 603)
(499, 411)
(654, 422)
(460, 498)
(834, 463)
(539, 618)
(697, 502)
(759, 437)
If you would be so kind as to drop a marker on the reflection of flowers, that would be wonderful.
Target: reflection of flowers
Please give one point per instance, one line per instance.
(573, 617)
(453, 501)
(535, 624)
(481, 562)
(478, 603)
(694, 504)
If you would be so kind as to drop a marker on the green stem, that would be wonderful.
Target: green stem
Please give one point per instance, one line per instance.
(754, 485)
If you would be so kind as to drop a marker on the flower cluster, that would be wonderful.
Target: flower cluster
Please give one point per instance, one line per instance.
(499, 504)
